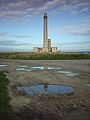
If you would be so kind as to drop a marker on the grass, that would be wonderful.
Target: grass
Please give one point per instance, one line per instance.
(44, 56)
(54, 57)
(5, 108)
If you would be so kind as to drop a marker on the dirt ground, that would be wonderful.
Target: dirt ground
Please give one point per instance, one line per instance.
(74, 106)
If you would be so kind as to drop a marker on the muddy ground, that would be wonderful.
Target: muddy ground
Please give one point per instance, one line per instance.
(74, 106)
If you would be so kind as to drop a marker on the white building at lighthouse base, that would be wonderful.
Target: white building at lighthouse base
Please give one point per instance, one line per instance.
(45, 49)
(37, 49)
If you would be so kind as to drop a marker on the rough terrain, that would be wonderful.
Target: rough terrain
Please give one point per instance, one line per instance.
(74, 106)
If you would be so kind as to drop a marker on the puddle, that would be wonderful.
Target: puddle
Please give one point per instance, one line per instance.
(54, 68)
(39, 67)
(45, 89)
(68, 73)
(71, 74)
(27, 70)
(3, 65)
(88, 85)
(45, 68)
(65, 72)
(23, 69)
(24, 66)
(59, 70)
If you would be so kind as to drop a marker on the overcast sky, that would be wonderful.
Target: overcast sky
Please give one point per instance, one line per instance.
(21, 24)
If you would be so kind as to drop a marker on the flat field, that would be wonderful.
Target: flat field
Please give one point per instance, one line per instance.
(74, 106)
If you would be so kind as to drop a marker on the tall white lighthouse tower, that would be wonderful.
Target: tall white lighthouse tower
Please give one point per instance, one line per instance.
(46, 42)
(45, 34)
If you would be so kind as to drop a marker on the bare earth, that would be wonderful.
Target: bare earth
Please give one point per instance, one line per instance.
(75, 106)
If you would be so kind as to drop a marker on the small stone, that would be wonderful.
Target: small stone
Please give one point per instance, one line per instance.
(74, 106)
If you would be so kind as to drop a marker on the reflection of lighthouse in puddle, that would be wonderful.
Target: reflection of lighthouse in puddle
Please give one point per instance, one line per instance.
(45, 88)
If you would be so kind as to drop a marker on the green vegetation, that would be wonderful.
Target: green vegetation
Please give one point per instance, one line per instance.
(5, 108)
(54, 57)
(44, 56)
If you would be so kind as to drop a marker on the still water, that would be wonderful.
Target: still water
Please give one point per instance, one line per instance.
(45, 89)
(3, 65)
(45, 68)
(88, 85)
(23, 69)
(68, 73)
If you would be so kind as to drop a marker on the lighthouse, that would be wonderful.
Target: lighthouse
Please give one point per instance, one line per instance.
(45, 34)
(46, 42)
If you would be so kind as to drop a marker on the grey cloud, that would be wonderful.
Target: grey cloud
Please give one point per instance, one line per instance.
(84, 32)
(14, 49)
(75, 43)
(8, 43)
(75, 6)
(7, 49)
(22, 36)
(15, 43)
(17, 49)
(20, 8)
(84, 10)
(3, 33)
(78, 29)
